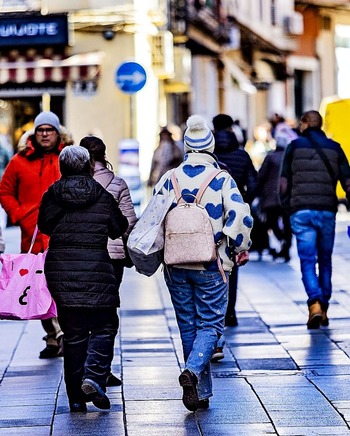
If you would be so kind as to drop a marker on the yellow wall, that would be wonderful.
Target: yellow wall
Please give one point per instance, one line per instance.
(107, 114)
(336, 116)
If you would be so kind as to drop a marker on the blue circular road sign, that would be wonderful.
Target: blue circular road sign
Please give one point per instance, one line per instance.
(130, 77)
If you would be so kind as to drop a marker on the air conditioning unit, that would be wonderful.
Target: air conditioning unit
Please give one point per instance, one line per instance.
(293, 24)
(163, 55)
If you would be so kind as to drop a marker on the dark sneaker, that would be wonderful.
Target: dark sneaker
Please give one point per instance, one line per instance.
(77, 407)
(231, 321)
(95, 393)
(203, 404)
(188, 381)
(52, 351)
(112, 380)
(218, 354)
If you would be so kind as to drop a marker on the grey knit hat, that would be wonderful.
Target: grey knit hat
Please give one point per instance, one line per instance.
(47, 118)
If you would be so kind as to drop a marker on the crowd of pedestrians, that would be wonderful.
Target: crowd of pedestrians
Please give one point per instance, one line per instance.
(85, 215)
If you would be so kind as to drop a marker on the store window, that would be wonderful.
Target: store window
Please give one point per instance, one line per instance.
(17, 117)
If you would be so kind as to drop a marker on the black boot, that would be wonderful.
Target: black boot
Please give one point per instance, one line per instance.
(52, 351)
(112, 380)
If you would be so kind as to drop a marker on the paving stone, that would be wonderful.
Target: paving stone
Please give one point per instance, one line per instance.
(237, 429)
(314, 431)
(23, 431)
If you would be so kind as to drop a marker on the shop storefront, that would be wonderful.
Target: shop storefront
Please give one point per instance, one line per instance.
(35, 67)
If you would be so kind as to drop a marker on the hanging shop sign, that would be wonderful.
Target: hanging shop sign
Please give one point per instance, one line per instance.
(33, 30)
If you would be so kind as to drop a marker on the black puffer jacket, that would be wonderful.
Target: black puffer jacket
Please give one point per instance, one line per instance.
(238, 163)
(79, 215)
(305, 181)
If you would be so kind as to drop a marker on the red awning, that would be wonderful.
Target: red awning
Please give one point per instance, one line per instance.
(84, 66)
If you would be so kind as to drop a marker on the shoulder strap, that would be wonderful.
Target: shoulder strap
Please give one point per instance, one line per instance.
(110, 181)
(205, 184)
(176, 186)
(33, 239)
(201, 189)
(324, 158)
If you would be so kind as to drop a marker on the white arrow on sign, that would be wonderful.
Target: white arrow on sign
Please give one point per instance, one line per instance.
(136, 77)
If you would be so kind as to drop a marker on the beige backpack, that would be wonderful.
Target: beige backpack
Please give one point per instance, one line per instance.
(189, 236)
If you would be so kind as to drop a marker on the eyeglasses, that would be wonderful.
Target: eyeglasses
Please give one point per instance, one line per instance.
(49, 130)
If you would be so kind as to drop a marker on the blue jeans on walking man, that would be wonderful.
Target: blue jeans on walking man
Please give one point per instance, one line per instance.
(200, 300)
(315, 232)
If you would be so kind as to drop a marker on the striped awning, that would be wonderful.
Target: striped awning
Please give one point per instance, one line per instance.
(85, 66)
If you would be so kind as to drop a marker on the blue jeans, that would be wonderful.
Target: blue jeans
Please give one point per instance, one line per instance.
(315, 232)
(200, 301)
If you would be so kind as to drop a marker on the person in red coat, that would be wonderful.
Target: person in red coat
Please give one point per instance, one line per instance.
(28, 175)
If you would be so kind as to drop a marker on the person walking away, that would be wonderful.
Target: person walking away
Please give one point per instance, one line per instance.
(199, 291)
(239, 164)
(102, 172)
(166, 156)
(277, 219)
(79, 215)
(312, 166)
(28, 175)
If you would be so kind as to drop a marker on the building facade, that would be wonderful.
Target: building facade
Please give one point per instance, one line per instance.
(247, 58)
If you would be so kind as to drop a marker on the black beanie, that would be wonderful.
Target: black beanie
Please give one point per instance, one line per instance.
(222, 122)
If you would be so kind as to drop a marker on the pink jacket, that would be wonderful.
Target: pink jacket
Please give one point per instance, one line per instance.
(120, 191)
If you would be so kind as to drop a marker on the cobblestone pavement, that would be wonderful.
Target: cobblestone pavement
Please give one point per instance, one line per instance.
(277, 378)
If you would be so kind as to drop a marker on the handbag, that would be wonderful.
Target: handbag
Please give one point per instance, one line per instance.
(23, 288)
(146, 240)
(127, 261)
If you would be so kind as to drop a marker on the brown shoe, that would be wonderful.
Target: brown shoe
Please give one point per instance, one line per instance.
(315, 316)
(324, 320)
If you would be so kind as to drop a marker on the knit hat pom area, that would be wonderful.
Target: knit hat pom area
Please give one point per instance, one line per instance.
(198, 136)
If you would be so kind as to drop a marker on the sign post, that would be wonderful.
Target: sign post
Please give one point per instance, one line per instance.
(130, 77)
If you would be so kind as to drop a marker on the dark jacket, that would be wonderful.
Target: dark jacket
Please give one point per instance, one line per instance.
(238, 162)
(79, 215)
(269, 179)
(305, 180)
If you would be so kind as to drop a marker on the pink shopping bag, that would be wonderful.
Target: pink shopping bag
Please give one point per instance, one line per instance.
(23, 288)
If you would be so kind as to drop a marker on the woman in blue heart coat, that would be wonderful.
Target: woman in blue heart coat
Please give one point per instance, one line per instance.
(199, 291)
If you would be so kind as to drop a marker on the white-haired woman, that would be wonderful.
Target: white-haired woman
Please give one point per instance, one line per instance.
(79, 215)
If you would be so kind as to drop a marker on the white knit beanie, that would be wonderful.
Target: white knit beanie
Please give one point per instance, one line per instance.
(48, 118)
(198, 136)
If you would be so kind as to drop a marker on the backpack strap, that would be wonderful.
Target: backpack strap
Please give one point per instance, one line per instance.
(205, 184)
(199, 195)
(176, 187)
(201, 189)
